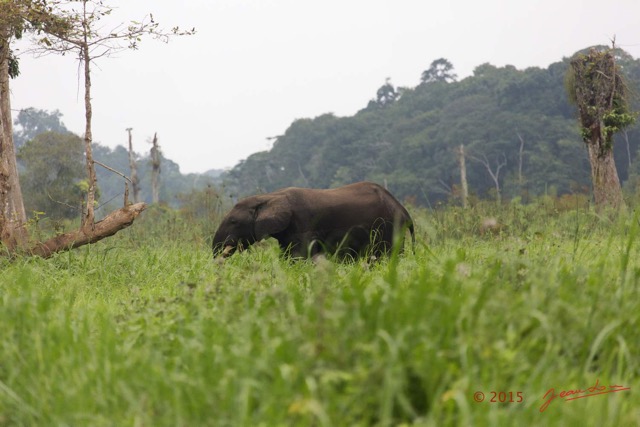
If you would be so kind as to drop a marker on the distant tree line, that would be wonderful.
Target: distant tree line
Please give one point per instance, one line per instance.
(51, 164)
(519, 130)
(520, 134)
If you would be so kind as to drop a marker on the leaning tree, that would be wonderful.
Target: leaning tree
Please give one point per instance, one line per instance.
(595, 85)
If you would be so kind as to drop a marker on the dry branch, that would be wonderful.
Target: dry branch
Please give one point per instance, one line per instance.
(134, 169)
(110, 225)
(155, 172)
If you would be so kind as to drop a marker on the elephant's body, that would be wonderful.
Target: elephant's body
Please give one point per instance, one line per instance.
(351, 220)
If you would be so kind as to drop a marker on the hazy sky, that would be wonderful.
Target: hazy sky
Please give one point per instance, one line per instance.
(254, 66)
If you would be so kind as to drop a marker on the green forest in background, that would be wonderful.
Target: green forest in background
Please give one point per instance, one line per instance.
(521, 137)
(516, 125)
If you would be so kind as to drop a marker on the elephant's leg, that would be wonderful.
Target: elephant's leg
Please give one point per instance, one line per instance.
(301, 246)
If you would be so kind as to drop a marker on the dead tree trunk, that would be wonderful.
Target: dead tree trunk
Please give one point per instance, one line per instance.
(134, 170)
(604, 176)
(155, 171)
(89, 216)
(626, 140)
(599, 92)
(520, 161)
(463, 176)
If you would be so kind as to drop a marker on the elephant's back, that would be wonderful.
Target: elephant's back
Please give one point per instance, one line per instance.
(365, 197)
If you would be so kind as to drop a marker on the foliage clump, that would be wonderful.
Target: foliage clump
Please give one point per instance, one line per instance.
(596, 86)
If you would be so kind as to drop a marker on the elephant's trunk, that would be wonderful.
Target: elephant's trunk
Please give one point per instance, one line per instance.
(222, 250)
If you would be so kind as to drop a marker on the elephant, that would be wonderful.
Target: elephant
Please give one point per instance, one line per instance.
(350, 221)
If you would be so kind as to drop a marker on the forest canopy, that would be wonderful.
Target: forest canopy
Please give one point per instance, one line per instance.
(515, 122)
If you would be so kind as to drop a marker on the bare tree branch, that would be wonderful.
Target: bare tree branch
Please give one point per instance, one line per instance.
(495, 175)
(111, 170)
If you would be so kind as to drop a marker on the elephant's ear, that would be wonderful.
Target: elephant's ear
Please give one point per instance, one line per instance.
(272, 217)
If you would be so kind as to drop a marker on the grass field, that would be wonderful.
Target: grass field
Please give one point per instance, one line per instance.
(145, 329)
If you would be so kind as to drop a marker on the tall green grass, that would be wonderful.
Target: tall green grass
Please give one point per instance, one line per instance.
(145, 329)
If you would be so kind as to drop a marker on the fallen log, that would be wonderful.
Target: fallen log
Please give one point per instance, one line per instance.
(110, 225)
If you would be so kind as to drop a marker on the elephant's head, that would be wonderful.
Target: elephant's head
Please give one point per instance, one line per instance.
(251, 220)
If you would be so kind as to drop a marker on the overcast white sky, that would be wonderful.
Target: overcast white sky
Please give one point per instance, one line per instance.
(254, 66)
